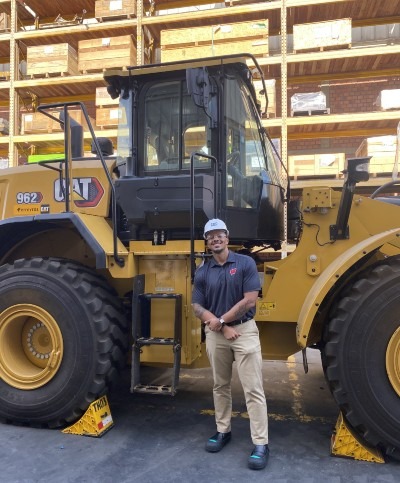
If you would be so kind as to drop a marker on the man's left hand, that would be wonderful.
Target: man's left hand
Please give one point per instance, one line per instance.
(214, 324)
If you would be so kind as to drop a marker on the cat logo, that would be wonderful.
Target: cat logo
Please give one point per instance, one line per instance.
(87, 192)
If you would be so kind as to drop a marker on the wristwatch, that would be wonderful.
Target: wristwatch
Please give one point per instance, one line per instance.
(222, 322)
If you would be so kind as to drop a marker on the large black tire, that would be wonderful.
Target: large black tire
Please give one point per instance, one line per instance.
(63, 339)
(361, 356)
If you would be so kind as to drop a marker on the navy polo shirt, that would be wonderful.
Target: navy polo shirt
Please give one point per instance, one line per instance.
(218, 288)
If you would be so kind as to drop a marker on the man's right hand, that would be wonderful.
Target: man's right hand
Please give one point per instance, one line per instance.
(230, 333)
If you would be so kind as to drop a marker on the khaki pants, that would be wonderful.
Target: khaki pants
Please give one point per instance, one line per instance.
(246, 351)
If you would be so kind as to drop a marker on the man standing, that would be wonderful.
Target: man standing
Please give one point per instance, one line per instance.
(224, 297)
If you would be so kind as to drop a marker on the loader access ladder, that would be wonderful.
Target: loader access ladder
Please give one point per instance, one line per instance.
(141, 328)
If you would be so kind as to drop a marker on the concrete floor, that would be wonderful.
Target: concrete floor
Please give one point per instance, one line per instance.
(161, 439)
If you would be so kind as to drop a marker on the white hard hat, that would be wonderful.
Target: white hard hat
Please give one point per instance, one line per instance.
(215, 224)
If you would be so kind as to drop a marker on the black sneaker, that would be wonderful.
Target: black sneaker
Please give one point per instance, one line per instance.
(217, 442)
(259, 457)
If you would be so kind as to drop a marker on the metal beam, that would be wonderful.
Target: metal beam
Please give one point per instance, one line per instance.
(363, 51)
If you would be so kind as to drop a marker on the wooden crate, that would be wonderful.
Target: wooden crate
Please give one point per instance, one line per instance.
(103, 98)
(37, 122)
(388, 99)
(322, 35)
(106, 53)
(383, 152)
(270, 85)
(109, 117)
(44, 60)
(197, 42)
(312, 165)
(114, 9)
(5, 23)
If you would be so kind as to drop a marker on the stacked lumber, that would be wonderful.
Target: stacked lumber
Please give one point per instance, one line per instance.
(114, 9)
(44, 60)
(106, 53)
(197, 42)
(383, 152)
(322, 35)
(310, 165)
(270, 85)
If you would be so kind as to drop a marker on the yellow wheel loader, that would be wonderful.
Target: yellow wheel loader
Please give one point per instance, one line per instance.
(98, 254)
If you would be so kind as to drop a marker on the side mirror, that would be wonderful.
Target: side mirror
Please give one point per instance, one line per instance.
(203, 92)
(357, 169)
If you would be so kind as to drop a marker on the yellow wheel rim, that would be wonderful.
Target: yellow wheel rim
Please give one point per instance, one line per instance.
(31, 346)
(393, 360)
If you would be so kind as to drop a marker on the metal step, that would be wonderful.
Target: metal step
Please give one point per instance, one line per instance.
(155, 341)
(166, 390)
(141, 322)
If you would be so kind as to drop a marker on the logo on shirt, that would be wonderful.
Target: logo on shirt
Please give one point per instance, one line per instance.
(232, 271)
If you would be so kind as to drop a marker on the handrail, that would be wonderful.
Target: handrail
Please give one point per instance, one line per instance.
(214, 161)
(68, 168)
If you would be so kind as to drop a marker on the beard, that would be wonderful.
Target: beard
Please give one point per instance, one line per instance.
(218, 250)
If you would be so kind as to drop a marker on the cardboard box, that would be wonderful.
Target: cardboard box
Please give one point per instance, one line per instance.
(197, 42)
(321, 35)
(110, 117)
(311, 165)
(388, 99)
(270, 85)
(103, 98)
(383, 152)
(106, 53)
(49, 59)
(114, 9)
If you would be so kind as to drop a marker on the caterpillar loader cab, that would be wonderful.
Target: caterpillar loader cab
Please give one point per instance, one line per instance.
(97, 254)
(195, 132)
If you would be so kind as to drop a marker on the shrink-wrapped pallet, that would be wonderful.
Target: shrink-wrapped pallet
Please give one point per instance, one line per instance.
(388, 99)
(308, 102)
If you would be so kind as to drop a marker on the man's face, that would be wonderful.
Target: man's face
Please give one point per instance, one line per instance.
(217, 241)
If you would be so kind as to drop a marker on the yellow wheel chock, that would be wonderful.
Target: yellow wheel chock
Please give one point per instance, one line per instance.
(346, 444)
(96, 421)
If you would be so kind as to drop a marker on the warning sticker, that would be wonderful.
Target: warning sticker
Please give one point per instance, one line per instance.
(264, 308)
(21, 210)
